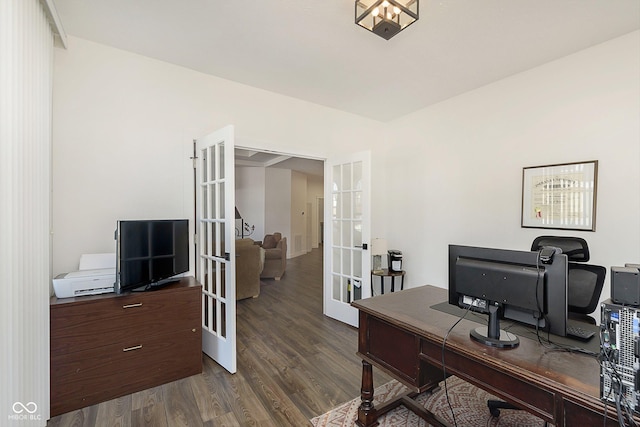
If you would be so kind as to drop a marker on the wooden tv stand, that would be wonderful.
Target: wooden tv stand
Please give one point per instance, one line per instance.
(109, 345)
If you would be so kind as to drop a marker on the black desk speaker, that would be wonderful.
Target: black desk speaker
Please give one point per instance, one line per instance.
(625, 285)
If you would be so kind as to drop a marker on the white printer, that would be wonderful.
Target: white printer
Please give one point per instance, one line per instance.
(96, 275)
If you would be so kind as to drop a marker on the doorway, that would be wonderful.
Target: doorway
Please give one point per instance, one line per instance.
(277, 192)
(285, 199)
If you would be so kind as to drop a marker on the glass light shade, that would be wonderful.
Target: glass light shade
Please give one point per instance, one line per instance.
(378, 248)
(386, 18)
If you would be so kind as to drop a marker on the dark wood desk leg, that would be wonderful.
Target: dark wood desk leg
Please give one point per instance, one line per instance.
(381, 285)
(372, 294)
(393, 283)
(367, 414)
(402, 282)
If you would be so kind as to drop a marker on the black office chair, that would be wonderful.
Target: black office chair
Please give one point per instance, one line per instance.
(585, 282)
(575, 248)
(584, 289)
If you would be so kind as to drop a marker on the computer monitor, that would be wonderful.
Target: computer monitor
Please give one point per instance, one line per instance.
(150, 253)
(509, 284)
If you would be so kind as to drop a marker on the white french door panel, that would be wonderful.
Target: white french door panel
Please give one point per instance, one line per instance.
(215, 242)
(347, 233)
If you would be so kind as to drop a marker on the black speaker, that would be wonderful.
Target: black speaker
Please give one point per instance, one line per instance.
(625, 285)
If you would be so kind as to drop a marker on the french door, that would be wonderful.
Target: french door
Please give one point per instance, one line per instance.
(215, 234)
(347, 234)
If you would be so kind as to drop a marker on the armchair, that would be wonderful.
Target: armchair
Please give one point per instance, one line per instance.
(275, 257)
(249, 263)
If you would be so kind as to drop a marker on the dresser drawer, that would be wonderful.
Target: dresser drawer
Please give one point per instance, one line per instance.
(85, 324)
(393, 349)
(107, 346)
(90, 376)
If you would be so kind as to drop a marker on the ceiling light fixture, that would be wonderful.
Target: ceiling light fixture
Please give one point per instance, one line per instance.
(386, 18)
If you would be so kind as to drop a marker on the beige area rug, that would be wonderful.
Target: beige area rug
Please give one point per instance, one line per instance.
(469, 404)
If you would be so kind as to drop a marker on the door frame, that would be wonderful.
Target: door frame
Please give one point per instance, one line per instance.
(326, 238)
(247, 145)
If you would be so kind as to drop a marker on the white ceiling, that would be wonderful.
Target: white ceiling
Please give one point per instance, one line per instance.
(252, 158)
(312, 50)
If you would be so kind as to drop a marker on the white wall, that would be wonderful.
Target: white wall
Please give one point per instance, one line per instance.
(297, 244)
(315, 191)
(250, 198)
(123, 131)
(453, 172)
(278, 203)
(304, 191)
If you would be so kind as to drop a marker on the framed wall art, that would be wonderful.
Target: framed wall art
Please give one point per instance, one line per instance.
(561, 196)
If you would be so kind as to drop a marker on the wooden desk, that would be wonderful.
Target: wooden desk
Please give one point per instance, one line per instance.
(402, 335)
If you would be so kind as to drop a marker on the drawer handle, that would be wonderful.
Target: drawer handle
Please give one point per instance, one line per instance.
(135, 347)
(139, 304)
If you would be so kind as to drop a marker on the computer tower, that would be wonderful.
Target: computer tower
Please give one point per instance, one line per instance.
(625, 285)
(619, 366)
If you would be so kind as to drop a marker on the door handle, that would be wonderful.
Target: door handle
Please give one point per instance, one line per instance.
(362, 246)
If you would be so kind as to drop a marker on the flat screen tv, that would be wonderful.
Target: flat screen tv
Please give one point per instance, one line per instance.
(508, 284)
(150, 253)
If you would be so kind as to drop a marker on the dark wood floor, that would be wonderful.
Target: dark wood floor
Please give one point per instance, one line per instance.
(293, 364)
